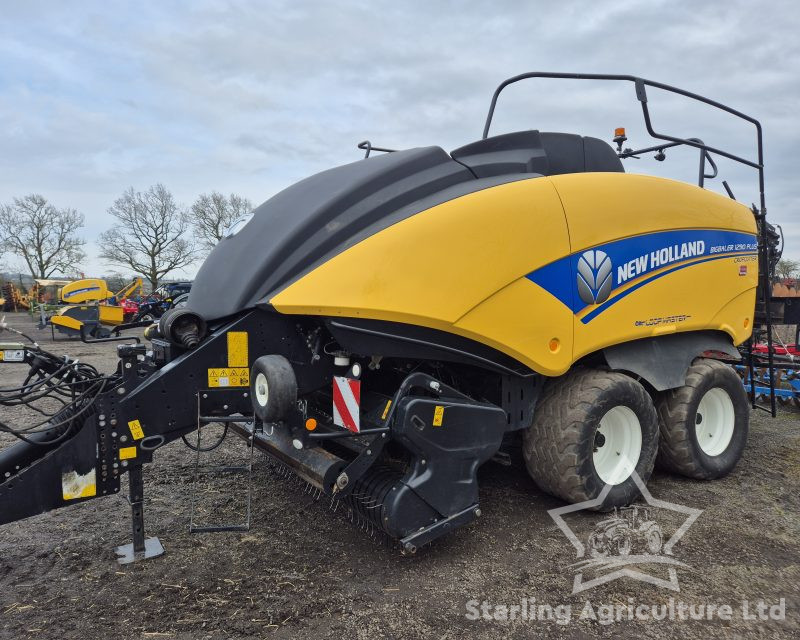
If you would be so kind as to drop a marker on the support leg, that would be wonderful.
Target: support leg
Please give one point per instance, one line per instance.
(140, 548)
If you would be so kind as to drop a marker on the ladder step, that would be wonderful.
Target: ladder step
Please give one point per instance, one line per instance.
(219, 528)
(210, 470)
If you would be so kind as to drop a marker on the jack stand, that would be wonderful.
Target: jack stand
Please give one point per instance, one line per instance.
(139, 549)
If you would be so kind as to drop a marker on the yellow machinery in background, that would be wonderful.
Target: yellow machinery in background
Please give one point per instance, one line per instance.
(15, 299)
(91, 302)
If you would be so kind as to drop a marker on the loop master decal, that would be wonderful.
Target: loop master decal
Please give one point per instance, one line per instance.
(590, 281)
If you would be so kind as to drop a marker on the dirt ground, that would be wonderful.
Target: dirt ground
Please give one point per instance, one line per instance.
(304, 571)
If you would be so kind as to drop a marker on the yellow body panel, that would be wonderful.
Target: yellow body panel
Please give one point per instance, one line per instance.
(607, 206)
(521, 320)
(63, 319)
(688, 299)
(434, 267)
(499, 266)
(110, 315)
(87, 290)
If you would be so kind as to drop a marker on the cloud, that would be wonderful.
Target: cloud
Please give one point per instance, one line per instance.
(251, 96)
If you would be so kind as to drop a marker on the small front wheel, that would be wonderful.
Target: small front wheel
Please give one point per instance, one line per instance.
(273, 388)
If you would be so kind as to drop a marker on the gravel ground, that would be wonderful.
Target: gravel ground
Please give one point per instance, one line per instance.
(303, 571)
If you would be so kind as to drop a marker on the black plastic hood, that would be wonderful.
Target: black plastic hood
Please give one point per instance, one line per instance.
(317, 218)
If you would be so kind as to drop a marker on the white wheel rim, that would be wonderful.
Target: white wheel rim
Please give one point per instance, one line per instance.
(616, 459)
(262, 390)
(714, 421)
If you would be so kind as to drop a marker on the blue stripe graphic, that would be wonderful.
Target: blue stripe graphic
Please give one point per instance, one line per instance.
(632, 259)
(602, 307)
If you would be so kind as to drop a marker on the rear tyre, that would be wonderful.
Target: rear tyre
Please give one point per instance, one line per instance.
(591, 429)
(704, 423)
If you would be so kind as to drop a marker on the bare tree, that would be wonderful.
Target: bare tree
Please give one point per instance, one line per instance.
(149, 235)
(213, 213)
(787, 268)
(115, 280)
(43, 236)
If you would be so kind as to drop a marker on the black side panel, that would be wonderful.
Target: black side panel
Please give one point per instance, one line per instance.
(446, 456)
(399, 340)
(599, 156)
(519, 152)
(664, 360)
(38, 487)
(531, 152)
(570, 153)
(565, 153)
(317, 217)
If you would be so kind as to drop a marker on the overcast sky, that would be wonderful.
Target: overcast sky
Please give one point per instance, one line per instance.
(249, 97)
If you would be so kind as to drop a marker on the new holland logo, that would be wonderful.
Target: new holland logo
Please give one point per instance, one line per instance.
(595, 276)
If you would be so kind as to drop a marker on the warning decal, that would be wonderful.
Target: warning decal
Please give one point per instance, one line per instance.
(125, 453)
(346, 400)
(229, 377)
(75, 485)
(136, 429)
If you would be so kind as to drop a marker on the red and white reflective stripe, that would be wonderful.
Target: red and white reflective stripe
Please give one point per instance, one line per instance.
(346, 401)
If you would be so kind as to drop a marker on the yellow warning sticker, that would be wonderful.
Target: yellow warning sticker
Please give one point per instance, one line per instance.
(76, 485)
(126, 453)
(438, 415)
(136, 429)
(386, 410)
(229, 377)
(237, 349)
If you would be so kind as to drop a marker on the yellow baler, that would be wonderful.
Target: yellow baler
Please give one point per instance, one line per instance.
(385, 327)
